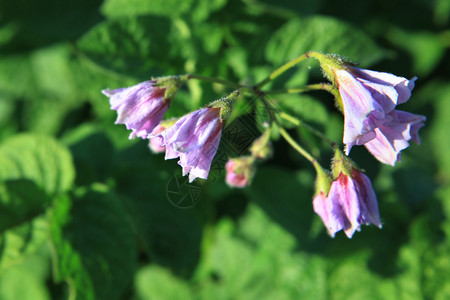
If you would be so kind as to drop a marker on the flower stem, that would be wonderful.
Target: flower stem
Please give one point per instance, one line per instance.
(316, 132)
(216, 80)
(307, 88)
(296, 146)
(282, 69)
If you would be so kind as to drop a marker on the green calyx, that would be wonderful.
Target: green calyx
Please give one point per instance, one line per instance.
(341, 164)
(171, 84)
(225, 104)
(329, 63)
(323, 180)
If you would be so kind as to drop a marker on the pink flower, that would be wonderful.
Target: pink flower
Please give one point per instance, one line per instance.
(140, 107)
(194, 138)
(155, 143)
(239, 171)
(350, 203)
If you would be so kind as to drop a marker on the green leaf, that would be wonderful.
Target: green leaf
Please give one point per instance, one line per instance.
(154, 282)
(257, 260)
(292, 208)
(425, 48)
(16, 78)
(94, 244)
(93, 153)
(320, 33)
(20, 201)
(135, 45)
(17, 243)
(439, 130)
(38, 158)
(27, 280)
(204, 8)
(117, 8)
(350, 278)
(287, 8)
(305, 107)
(46, 22)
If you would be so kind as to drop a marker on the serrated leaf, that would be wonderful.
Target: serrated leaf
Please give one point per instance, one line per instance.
(38, 158)
(94, 245)
(320, 33)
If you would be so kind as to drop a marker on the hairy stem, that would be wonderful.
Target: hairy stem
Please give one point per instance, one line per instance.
(296, 146)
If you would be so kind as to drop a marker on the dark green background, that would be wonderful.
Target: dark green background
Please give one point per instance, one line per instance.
(84, 212)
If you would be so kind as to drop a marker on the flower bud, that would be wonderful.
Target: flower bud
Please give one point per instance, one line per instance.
(240, 171)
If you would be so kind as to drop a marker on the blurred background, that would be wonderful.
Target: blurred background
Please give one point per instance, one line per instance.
(86, 213)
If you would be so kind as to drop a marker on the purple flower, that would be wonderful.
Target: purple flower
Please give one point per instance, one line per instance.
(140, 107)
(393, 135)
(194, 138)
(369, 99)
(350, 203)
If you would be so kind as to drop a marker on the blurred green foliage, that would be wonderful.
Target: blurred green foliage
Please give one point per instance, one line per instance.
(85, 212)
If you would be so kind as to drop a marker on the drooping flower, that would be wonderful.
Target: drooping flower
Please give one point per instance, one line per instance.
(393, 136)
(240, 171)
(350, 201)
(194, 138)
(141, 107)
(368, 100)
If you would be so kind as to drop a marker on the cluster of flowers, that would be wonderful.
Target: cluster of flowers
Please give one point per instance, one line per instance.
(344, 198)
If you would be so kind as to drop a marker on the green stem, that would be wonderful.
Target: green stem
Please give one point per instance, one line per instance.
(267, 106)
(216, 80)
(318, 86)
(281, 70)
(296, 146)
(316, 132)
